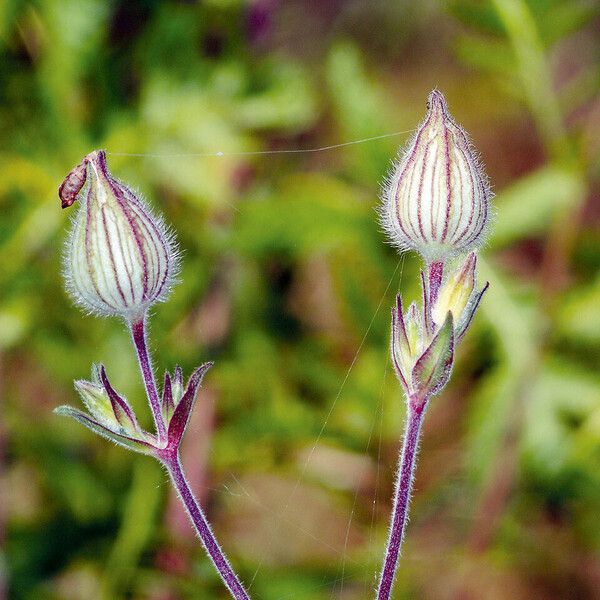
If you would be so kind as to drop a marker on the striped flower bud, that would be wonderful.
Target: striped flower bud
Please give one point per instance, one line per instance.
(436, 199)
(120, 259)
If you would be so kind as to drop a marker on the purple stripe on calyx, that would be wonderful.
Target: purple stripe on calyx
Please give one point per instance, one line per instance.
(111, 255)
(408, 161)
(460, 183)
(420, 191)
(159, 246)
(434, 199)
(128, 266)
(152, 247)
(89, 251)
(448, 182)
(118, 191)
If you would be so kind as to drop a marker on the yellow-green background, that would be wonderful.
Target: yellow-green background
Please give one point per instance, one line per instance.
(287, 283)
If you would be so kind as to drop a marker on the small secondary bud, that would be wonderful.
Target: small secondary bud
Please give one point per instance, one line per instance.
(456, 292)
(458, 296)
(436, 199)
(109, 414)
(120, 259)
(422, 362)
(423, 341)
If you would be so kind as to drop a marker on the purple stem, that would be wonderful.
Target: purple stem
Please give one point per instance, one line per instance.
(436, 272)
(138, 333)
(168, 454)
(404, 482)
(173, 464)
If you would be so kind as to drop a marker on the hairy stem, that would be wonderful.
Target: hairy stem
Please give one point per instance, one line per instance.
(406, 467)
(436, 273)
(169, 456)
(173, 465)
(138, 333)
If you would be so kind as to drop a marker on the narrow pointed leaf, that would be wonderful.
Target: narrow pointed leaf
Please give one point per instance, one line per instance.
(472, 309)
(178, 376)
(177, 385)
(432, 370)
(426, 305)
(182, 412)
(398, 337)
(400, 328)
(95, 374)
(123, 412)
(167, 398)
(119, 438)
(413, 325)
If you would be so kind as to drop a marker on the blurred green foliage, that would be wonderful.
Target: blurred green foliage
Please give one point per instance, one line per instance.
(286, 284)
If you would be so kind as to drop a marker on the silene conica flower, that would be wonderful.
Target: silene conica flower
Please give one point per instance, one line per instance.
(120, 258)
(436, 198)
(436, 201)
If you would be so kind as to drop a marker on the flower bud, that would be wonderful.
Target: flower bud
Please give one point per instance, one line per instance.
(109, 414)
(436, 199)
(120, 259)
(432, 370)
(458, 296)
(456, 292)
(422, 362)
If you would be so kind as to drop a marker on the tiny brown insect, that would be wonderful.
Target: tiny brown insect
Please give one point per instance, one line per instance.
(71, 186)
